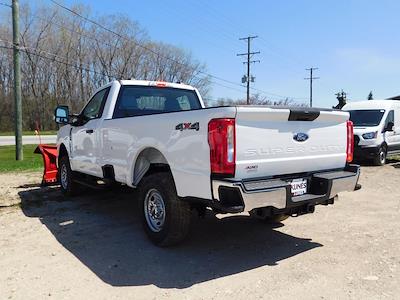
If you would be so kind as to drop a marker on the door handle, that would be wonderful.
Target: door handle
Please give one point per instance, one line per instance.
(90, 131)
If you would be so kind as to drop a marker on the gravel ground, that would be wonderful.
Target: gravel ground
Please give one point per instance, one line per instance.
(93, 247)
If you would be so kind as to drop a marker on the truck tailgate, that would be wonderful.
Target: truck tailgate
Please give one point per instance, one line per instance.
(279, 141)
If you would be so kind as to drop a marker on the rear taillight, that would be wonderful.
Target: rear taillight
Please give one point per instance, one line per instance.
(221, 138)
(350, 142)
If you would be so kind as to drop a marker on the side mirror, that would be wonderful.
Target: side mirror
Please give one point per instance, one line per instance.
(61, 115)
(389, 126)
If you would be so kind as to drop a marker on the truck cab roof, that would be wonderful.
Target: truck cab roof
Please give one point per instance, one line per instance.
(176, 85)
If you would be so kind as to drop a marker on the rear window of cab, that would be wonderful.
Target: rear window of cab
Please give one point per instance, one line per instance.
(147, 100)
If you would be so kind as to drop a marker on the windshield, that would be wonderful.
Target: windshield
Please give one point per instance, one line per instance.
(366, 117)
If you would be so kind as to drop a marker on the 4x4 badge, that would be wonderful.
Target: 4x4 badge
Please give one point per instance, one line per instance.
(188, 126)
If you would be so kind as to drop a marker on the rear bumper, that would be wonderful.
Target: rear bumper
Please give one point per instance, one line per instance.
(237, 196)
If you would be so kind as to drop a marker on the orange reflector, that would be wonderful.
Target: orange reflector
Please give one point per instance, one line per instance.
(161, 84)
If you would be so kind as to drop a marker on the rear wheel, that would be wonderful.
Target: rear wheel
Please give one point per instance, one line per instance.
(166, 218)
(68, 186)
(380, 158)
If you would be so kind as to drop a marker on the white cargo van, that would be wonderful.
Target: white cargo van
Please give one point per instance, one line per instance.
(376, 129)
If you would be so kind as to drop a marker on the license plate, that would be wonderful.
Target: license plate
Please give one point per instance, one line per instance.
(299, 186)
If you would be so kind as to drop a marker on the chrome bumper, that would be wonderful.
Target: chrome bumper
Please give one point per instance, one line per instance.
(276, 193)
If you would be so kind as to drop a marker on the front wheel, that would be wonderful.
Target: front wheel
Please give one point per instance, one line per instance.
(166, 218)
(67, 183)
(380, 158)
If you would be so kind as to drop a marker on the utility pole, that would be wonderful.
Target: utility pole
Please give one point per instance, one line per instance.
(17, 82)
(249, 54)
(342, 99)
(311, 78)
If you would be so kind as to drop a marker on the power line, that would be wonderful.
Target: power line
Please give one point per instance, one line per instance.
(311, 78)
(108, 44)
(249, 54)
(220, 16)
(120, 35)
(56, 58)
(232, 24)
(74, 31)
(139, 45)
(155, 52)
(136, 43)
(280, 51)
(59, 59)
(5, 4)
(229, 37)
(62, 60)
(199, 21)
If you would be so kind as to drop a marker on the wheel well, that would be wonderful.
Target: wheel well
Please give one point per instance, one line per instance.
(62, 152)
(149, 161)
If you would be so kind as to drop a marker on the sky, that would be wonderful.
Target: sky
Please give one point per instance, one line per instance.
(354, 44)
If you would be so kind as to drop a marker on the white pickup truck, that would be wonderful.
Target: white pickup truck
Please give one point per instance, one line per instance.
(156, 136)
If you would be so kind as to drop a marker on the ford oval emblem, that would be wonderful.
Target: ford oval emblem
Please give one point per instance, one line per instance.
(300, 137)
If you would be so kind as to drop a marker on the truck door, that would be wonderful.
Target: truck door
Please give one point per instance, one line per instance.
(85, 136)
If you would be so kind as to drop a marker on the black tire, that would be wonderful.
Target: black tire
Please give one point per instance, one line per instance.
(68, 186)
(380, 158)
(171, 226)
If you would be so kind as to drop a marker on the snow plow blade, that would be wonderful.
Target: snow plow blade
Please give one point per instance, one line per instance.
(49, 154)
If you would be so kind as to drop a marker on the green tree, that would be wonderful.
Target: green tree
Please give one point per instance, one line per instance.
(370, 96)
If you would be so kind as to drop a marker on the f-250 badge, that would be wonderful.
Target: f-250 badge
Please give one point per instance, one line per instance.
(188, 126)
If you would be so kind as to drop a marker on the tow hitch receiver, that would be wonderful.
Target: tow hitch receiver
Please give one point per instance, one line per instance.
(49, 154)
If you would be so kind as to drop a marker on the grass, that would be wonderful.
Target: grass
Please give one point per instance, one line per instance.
(396, 157)
(11, 133)
(31, 161)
